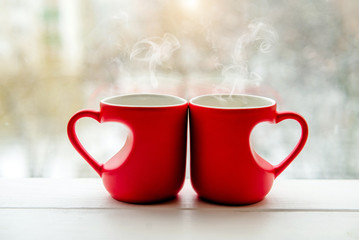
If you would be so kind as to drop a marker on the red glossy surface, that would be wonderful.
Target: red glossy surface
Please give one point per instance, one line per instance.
(151, 165)
(224, 167)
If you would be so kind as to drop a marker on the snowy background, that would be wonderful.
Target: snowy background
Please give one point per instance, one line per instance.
(58, 57)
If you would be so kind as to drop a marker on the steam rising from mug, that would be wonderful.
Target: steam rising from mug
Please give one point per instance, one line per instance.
(155, 51)
(238, 74)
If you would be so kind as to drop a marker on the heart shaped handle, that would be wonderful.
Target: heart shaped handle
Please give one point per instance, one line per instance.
(278, 169)
(75, 141)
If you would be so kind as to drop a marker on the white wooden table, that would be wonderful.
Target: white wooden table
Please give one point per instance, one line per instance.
(82, 209)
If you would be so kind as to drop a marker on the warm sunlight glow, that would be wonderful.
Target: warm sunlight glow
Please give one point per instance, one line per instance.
(190, 4)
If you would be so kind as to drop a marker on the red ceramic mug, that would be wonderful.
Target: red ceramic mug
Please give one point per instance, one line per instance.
(224, 167)
(151, 165)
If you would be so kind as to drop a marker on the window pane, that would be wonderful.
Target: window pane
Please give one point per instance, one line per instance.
(58, 57)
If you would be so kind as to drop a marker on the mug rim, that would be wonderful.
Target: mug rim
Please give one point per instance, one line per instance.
(181, 101)
(271, 102)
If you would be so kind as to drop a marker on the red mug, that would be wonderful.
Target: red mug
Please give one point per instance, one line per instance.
(225, 168)
(151, 165)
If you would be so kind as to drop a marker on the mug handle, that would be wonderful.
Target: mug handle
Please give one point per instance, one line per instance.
(75, 141)
(278, 169)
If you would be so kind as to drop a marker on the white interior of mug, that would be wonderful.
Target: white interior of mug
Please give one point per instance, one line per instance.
(144, 100)
(232, 101)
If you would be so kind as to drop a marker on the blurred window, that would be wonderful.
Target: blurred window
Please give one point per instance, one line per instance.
(58, 57)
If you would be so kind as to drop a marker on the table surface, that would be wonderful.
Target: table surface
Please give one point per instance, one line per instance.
(37, 208)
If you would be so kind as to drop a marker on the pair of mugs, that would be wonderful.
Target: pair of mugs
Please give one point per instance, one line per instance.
(151, 165)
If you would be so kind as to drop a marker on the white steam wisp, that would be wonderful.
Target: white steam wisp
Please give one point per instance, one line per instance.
(238, 75)
(155, 51)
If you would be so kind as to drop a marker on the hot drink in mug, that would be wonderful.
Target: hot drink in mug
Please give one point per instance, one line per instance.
(151, 165)
(224, 166)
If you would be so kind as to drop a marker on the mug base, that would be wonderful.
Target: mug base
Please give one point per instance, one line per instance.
(230, 203)
(147, 202)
